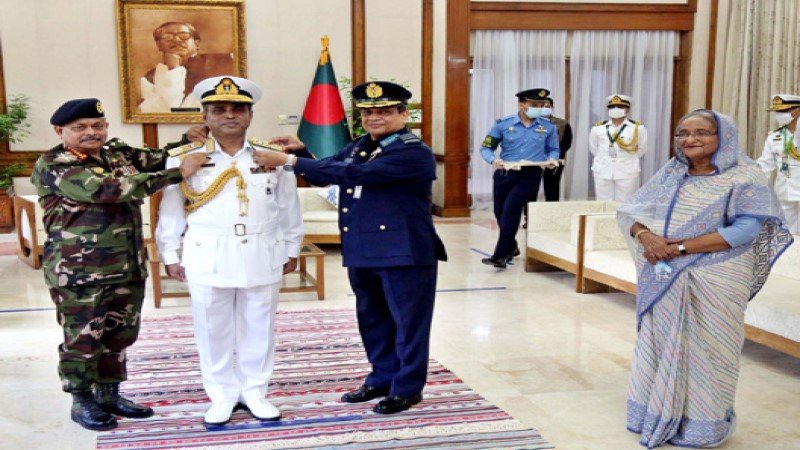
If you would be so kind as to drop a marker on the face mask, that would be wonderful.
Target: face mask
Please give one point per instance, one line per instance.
(783, 118)
(532, 112)
(547, 112)
(617, 113)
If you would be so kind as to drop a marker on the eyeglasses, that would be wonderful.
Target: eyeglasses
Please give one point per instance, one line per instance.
(697, 134)
(81, 128)
(181, 35)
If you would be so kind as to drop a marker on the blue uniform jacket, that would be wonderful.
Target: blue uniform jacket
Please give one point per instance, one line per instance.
(537, 142)
(384, 200)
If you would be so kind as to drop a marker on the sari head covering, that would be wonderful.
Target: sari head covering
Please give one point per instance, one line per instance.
(736, 188)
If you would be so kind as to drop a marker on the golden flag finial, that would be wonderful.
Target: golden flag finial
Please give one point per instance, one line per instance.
(324, 56)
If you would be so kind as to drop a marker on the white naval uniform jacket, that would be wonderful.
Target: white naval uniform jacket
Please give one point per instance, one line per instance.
(787, 189)
(220, 247)
(610, 161)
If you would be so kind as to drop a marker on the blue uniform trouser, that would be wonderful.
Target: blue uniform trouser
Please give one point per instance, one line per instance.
(513, 189)
(395, 309)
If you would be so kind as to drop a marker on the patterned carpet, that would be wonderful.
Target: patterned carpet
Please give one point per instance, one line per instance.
(319, 356)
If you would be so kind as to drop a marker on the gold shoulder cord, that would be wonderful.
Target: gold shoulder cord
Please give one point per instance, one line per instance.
(630, 146)
(197, 199)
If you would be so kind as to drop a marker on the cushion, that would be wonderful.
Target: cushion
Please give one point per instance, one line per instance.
(331, 194)
(773, 310)
(615, 263)
(555, 243)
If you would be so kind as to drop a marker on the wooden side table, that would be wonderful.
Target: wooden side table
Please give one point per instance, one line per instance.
(308, 282)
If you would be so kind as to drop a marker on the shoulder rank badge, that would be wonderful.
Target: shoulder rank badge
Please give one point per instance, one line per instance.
(263, 144)
(177, 151)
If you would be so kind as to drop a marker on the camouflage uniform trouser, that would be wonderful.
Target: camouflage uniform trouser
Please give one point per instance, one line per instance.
(99, 322)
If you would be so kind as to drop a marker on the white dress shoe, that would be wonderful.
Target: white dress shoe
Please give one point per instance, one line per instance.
(260, 408)
(219, 413)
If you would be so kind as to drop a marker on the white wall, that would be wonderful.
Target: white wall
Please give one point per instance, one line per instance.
(55, 50)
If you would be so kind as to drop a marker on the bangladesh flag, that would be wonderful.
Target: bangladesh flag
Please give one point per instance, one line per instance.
(324, 127)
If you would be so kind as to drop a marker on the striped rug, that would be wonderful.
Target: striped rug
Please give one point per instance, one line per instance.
(319, 356)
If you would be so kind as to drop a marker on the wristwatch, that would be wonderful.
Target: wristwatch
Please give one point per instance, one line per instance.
(289, 164)
(682, 249)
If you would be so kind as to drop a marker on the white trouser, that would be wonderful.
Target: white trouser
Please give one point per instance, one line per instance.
(619, 190)
(792, 212)
(235, 338)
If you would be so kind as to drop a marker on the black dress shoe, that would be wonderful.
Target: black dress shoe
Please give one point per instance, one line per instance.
(87, 413)
(364, 394)
(496, 262)
(395, 404)
(107, 396)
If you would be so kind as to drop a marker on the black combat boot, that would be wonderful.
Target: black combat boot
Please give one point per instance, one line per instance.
(107, 395)
(86, 412)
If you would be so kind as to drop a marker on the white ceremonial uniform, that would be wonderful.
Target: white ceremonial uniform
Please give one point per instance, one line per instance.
(616, 171)
(234, 266)
(780, 148)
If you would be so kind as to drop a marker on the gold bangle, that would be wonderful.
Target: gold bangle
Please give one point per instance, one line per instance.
(641, 232)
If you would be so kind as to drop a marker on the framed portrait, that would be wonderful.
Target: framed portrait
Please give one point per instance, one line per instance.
(168, 46)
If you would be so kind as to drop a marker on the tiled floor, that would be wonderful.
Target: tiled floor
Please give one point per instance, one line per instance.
(554, 359)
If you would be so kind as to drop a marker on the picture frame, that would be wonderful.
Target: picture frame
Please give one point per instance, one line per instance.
(167, 46)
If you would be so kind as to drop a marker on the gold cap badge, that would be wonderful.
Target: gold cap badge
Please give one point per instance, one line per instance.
(374, 91)
(99, 107)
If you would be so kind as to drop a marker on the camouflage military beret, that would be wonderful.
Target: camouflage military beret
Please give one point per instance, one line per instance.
(81, 108)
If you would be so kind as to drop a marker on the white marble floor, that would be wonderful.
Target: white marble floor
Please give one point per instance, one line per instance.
(554, 359)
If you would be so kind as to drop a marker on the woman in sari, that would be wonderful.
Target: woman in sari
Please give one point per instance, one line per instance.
(705, 231)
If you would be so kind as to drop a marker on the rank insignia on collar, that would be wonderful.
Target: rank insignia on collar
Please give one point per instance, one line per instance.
(98, 170)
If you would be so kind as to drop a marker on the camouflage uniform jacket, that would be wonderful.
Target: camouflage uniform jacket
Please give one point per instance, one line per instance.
(92, 212)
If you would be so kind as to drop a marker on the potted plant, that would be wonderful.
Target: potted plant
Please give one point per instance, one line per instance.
(13, 127)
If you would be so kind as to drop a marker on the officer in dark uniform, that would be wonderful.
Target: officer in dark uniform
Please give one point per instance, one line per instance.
(524, 136)
(389, 244)
(551, 178)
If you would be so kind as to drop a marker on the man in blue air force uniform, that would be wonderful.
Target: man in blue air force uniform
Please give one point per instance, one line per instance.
(524, 136)
(389, 244)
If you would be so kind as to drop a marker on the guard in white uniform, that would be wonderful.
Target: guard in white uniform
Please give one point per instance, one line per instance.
(243, 228)
(780, 152)
(617, 145)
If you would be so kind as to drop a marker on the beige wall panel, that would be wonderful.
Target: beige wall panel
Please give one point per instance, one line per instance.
(394, 43)
(55, 50)
(699, 63)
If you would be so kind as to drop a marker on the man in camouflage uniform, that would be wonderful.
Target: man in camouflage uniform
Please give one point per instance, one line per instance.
(91, 191)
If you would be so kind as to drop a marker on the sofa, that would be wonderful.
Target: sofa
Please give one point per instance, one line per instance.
(320, 217)
(30, 228)
(553, 234)
(772, 318)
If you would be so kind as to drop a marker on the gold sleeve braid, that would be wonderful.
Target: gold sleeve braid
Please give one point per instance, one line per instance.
(197, 199)
(630, 146)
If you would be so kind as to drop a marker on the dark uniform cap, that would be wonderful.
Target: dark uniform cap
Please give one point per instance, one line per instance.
(81, 108)
(379, 94)
(533, 94)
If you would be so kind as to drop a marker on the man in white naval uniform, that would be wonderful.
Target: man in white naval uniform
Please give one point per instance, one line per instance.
(243, 229)
(780, 152)
(617, 145)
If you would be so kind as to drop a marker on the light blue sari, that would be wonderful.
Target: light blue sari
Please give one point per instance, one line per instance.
(691, 315)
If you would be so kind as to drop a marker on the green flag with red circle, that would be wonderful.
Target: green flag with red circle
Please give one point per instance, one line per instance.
(323, 128)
